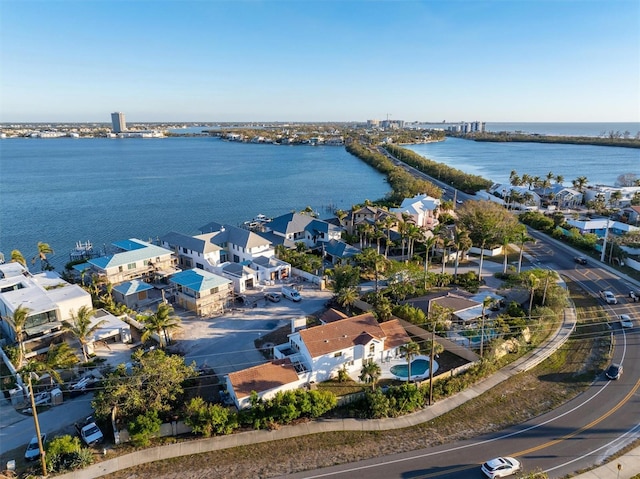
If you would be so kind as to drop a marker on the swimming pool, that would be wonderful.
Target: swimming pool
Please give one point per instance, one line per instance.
(419, 368)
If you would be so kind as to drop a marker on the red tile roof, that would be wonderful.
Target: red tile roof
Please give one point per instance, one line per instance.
(346, 333)
(263, 377)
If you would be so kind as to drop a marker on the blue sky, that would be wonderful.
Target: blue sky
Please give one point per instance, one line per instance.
(311, 60)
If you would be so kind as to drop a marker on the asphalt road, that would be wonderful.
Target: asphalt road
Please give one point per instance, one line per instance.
(577, 435)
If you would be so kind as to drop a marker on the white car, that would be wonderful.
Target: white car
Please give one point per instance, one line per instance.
(501, 467)
(608, 297)
(625, 321)
(33, 448)
(91, 434)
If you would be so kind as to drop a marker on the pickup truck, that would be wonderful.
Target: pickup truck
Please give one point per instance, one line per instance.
(608, 297)
(90, 432)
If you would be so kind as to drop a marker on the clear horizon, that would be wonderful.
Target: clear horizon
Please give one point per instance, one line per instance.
(498, 61)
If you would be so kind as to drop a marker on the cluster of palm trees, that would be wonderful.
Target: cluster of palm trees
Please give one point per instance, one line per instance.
(43, 250)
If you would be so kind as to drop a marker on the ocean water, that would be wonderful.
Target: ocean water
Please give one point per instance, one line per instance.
(60, 191)
(494, 161)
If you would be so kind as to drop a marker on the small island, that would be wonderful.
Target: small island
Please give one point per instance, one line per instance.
(611, 138)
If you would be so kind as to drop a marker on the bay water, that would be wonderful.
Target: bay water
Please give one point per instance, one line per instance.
(64, 190)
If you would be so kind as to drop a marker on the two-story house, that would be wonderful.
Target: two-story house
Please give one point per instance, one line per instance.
(136, 259)
(204, 293)
(295, 228)
(423, 209)
(49, 299)
(317, 354)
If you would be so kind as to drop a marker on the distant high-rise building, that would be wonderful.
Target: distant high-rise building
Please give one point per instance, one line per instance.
(117, 120)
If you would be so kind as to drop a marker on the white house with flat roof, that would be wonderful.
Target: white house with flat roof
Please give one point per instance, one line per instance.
(49, 299)
(137, 259)
(204, 293)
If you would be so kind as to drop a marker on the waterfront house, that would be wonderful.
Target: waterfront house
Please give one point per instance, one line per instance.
(136, 259)
(204, 293)
(49, 299)
(608, 193)
(564, 197)
(220, 245)
(317, 354)
(423, 210)
(516, 197)
(293, 228)
(337, 252)
(367, 214)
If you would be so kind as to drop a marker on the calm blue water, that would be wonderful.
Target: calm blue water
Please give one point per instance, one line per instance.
(64, 190)
(494, 161)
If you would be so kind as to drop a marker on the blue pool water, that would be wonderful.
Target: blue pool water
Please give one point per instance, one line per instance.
(419, 367)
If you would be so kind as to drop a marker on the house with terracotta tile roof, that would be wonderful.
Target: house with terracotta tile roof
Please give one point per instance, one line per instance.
(349, 343)
(317, 354)
(265, 379)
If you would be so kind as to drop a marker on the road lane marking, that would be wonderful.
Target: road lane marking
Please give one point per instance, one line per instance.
(583, 428)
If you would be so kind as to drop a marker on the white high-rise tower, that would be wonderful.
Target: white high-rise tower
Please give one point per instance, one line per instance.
(117, 120)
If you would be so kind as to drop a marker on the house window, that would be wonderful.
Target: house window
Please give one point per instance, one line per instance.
(120, 269)
(214, 290)
(199, 265)
(338, 354)
(131, 266)
(372, 349)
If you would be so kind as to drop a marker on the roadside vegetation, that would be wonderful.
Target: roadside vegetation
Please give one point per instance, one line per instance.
(561, 377)
(611, 138)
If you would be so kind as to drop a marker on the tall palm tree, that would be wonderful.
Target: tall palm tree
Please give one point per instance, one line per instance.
(18, 321)
(81, 328)
(429, 243)
(17, 257)
(522, 238)
(370, 373)
(389, 222)
(410, 350)
(462, 244)
(532, 283)
(160, 322)
(43, 250)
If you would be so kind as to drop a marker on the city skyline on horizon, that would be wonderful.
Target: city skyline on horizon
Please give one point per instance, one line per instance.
(276, 61)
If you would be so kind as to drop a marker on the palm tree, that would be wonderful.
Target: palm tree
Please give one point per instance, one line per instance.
(462, 244)
(160, 322)
(59, 356)
(410, 350)
(429, 243)
(17, 257)
(370, 373)
(579, 183)
(389, 222)
(522, 237)
(347, 297)
(81, 328)
(18, 321)
(559, 179)
(43, 250)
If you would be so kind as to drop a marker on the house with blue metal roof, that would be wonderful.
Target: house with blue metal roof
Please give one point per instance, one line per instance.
(137, 259)
(134, 294)
(204, 293)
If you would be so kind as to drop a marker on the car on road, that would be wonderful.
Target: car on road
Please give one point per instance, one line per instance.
(501, 467)
(33, 448)
(580, 260)
(614, 371)
(459, 202)
(273, 297)
(625, 321)
(608, 297)
(633, 296)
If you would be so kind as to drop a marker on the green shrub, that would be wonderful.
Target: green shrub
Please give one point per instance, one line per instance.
(144, 427)
(65, 453)
(210, 419)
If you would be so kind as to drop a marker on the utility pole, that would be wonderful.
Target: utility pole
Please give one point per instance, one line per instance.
(604, 244)
(37, 425)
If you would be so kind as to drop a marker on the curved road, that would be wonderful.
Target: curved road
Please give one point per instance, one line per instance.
(573, 437)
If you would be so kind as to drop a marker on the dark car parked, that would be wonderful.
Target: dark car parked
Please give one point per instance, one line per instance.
(580, 260)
